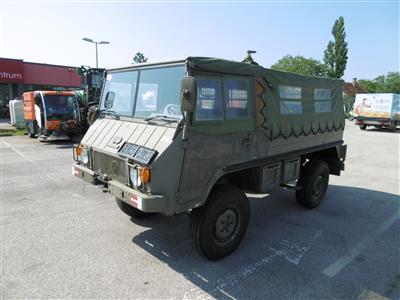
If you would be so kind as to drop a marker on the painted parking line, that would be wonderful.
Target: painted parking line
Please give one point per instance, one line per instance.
(344, 260)
(17, 151)
(30, 160)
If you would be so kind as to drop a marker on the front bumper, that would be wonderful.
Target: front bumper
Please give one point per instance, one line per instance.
(59, 133)
(143, 202)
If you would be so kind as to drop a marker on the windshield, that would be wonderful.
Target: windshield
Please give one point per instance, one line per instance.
(97, 78)
(144, 93)
(60, 107)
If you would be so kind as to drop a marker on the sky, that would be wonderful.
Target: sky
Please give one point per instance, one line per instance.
(52, 31)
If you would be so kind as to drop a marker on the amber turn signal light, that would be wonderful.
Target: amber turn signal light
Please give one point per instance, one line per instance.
(144, 175)
(78, 150)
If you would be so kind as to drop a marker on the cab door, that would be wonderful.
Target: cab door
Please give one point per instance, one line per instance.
(221, 134)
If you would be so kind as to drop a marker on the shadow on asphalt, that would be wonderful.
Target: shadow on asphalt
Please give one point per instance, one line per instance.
(276, 220)
(383, 130)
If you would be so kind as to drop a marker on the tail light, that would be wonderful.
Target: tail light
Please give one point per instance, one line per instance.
(360, 123)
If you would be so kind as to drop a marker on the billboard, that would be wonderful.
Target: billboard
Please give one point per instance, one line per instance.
(375, 105)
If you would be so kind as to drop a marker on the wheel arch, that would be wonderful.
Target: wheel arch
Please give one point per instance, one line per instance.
(240, 179)
(334, 157)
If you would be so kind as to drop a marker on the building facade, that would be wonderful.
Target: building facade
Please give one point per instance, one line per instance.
(18, 76)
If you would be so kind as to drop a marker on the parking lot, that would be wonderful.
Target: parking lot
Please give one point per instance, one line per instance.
(63, 238)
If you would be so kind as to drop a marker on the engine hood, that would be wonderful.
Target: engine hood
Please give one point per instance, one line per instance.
(109, 135)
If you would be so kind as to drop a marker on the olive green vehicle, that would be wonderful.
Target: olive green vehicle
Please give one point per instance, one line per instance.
(193, 136)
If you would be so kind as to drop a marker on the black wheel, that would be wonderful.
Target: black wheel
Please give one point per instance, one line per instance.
(313, 182)
(217, 228)
(363, 127)
(131, 211)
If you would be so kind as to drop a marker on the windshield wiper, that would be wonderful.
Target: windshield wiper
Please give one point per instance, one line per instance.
(110, 113)
(164, 118)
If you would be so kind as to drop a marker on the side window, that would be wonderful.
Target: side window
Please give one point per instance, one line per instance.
(290, 99)
(322, 100)
(236, 92)
(38, 100)
(209, 100)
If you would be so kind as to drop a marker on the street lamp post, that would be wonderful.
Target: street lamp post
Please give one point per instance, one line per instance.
(92, 41)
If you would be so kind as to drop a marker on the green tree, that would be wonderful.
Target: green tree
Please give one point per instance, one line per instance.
(348, 102)
(139, 58)
(301, 65)
(382, 84)
(368, 85)
(335, 55)
(392, 82)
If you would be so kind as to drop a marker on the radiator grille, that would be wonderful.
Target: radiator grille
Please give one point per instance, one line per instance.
(110, 165)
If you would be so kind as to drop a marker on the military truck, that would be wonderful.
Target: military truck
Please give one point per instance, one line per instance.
(52, 115)
(192, 136)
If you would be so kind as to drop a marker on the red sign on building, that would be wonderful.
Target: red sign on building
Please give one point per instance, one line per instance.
(42, 74)
(11, 70)
(18, 71)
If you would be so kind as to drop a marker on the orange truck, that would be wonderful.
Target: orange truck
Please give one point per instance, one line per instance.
(52, 115)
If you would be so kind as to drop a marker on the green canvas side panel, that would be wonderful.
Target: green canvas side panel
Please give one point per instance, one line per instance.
(277, 124)
(309, 121)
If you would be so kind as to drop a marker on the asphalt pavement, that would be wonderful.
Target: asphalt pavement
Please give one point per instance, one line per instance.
(64, 238)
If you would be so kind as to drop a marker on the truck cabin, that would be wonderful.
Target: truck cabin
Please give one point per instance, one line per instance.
(51, 112)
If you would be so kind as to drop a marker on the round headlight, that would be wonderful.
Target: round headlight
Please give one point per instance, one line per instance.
(85, 156)
(133, 175)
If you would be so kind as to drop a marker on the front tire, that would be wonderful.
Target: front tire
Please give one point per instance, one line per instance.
(363, 127)
(131, 211)
(313, 183)
(217, 228)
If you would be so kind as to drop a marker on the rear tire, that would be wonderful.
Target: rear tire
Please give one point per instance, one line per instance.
(313, 182)
(363, 127)
(217, 228)
(131, 211)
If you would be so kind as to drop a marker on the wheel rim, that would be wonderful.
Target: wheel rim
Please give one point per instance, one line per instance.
(318, 186)
(226, 225)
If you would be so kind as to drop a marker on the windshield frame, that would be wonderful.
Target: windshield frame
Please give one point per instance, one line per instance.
(45, 97)
(138, 68)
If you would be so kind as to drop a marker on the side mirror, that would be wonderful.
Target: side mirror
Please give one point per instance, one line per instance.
(188, 94)
(109, 101)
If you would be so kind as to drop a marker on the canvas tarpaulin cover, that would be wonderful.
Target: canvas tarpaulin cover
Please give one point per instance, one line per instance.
(287, 104)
